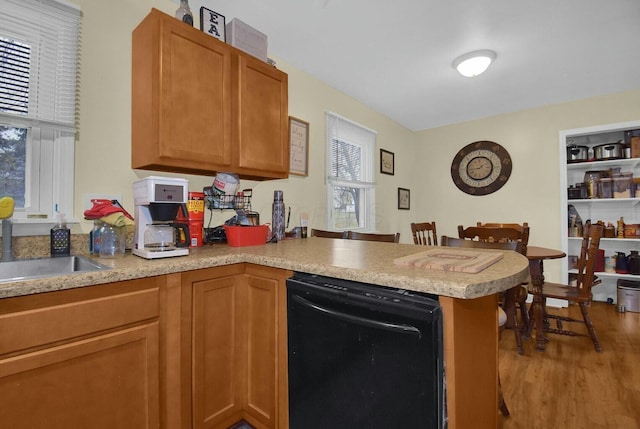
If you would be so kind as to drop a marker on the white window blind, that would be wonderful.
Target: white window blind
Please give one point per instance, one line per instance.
(350, 175)
(39, 42)
(40, 36)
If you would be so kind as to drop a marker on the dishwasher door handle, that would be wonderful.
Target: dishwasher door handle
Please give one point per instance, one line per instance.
(404, 329)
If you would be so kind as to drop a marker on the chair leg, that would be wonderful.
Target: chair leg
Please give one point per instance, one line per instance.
(522, 302)
(502, 405)
(518, 334)
(510, 298)
(587, 321)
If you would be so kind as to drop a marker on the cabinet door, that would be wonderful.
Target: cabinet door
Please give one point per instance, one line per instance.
(262, 121)
(79, 358)
(108, 381)
(239, 354)
(260, 352)
(217, 383)
(265, 353)
(181, 91)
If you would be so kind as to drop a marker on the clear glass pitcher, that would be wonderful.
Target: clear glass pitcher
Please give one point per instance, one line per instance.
(112, 241)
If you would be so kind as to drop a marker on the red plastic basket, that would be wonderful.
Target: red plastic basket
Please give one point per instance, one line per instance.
(238, 236)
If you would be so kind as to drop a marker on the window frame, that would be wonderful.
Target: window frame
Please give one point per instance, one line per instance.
(51, 118)
(364, 138)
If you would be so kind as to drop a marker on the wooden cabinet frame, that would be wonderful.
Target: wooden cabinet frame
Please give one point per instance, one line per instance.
(231, 325)
(85, 357)
(200, 106)
(242, 308)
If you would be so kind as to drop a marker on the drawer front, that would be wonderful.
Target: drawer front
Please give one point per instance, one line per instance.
(73, 318)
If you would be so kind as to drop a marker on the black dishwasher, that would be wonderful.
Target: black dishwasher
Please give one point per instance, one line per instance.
(363, 356)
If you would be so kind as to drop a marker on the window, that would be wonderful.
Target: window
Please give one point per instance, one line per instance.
(350, 175)
(38, 66)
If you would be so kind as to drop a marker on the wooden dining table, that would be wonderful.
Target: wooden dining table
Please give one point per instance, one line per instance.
(536, 255)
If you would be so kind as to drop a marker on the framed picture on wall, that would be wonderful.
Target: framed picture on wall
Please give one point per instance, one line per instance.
(387, 162)
(404, 199)
(212, 23)
(299, 146)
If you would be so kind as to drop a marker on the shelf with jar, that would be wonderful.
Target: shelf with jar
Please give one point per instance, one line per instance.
(593, 201)
(612, 275)
(630, 163)
(600, 174)
(609, 240)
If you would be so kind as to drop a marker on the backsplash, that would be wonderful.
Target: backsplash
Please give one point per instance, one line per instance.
(38, 246)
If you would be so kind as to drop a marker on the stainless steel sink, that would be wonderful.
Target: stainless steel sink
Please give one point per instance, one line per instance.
(25, 269)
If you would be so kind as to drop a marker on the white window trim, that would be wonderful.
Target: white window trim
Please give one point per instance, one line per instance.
(369, 186)
(56, 164)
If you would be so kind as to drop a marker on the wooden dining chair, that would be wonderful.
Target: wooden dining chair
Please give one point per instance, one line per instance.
(515, 246)
(388, 238)
(517, 226)
(496, 234)
(502, 232)
(580, 293)
(424, 233)
(328, 234)
(521, 296)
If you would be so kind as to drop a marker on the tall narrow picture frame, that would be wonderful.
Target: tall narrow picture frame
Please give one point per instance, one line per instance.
(387, 162)
(213, 24)
(404, 199)
(299, 147)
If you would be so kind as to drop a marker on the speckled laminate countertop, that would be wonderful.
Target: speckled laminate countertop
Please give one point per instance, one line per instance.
(363, 261)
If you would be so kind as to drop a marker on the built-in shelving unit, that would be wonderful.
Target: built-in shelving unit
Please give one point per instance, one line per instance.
(595, 209)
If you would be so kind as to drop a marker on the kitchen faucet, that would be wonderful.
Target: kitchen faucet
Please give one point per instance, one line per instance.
(6, 211)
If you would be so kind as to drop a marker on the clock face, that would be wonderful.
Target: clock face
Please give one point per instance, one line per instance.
(481, 168)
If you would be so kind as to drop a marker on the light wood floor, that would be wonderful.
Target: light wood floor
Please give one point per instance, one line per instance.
(570, 385)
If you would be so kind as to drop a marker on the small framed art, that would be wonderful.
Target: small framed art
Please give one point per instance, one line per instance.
(404, 199)
(387, 162)
(299, 147)
(212, 23)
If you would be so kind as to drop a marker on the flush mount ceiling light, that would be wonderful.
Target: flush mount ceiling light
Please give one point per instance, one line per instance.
(474, 63)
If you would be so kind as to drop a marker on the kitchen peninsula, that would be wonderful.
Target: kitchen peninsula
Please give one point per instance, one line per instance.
(164, 323)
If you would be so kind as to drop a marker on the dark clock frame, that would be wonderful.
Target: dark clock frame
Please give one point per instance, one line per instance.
(503, 162)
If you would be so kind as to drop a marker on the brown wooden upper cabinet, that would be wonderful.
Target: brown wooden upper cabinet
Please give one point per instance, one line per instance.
(200, 106)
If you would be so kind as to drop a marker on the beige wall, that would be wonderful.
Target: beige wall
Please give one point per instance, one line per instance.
(103, 156)
(422, 159)
(532, 194)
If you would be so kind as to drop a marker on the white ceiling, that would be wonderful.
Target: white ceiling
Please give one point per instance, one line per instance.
(396, 56)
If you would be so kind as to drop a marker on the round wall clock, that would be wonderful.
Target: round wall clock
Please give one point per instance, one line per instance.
(481, 168)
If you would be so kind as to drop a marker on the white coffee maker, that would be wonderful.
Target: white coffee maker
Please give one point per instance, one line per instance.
(157, 201)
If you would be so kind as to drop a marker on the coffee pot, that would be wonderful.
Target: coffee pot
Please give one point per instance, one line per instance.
(166, 236)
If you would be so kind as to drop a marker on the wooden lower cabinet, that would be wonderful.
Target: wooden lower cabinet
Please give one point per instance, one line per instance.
(237, 316)
(199, 349)
(83, 358)
(265, 352)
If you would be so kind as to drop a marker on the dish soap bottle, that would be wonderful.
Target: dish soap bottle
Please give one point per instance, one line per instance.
(60, 238)
(184, 13)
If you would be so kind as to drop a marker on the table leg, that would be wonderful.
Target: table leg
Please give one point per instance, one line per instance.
(537, 281)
